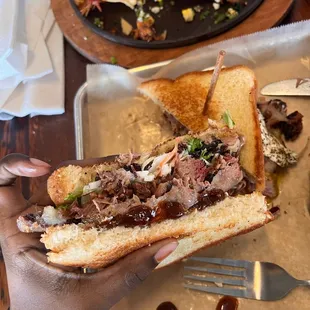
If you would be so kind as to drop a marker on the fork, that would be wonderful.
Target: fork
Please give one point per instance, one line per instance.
(254, 280)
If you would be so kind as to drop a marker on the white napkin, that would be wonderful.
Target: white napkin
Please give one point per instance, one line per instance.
(36, 88)
(8, 16)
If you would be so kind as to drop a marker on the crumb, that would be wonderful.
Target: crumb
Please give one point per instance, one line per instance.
(285, 212)
(85, 38)
(289, 203)
(73, 25)
(254, 240)
(218, 284)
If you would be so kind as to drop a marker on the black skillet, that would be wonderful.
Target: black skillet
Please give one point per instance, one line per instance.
(179, 33)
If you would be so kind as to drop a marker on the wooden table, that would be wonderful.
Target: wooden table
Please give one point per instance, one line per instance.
(51, 138)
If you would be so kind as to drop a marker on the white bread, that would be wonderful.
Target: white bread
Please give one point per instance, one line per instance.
(72, 245)
(235, 91)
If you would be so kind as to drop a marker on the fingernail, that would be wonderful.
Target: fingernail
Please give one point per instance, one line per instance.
(165, 251)
(28, 169)
(39, 163)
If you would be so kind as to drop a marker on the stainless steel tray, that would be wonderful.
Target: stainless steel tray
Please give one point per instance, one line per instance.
(81, 97)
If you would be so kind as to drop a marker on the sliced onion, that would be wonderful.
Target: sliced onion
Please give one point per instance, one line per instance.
(165, 170)
(51, 216)
(91, 187)
(157, 161)
(146, 176)
(147, 162)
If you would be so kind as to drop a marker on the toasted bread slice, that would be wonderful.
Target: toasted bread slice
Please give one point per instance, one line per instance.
(236, 88)
(77, 245)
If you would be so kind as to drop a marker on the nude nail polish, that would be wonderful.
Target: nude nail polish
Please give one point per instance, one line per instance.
(39, 163)
(165, 251)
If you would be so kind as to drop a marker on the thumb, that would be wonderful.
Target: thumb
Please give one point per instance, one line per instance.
(14, 165)
(131, 271)
(12, 201)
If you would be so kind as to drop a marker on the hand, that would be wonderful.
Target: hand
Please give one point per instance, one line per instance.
(35, 284)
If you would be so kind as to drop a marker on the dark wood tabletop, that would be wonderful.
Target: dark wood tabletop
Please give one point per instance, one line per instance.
(51, 138)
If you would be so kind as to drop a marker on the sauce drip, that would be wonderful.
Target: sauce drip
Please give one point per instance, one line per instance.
(167, 305)
(136, 216)
(227, 303)
(210, 198)
(143, 215)
(169, 210)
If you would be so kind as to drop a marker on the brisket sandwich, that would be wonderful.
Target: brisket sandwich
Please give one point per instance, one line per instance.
(192, 187)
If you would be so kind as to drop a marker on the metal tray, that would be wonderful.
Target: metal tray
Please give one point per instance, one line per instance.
(81, 98)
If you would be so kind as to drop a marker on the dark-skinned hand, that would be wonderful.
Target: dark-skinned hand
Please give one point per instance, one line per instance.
(35, 284)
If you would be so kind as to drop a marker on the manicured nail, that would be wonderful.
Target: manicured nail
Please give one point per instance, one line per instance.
(28, 169)
(165, 251)
(39, 163)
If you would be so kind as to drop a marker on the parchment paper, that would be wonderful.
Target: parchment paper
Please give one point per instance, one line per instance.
(276, 54)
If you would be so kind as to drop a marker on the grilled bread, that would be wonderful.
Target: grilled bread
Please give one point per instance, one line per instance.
(77, 245)
(235, 92)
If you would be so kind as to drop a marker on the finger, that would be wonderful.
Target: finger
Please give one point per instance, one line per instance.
(14, 165)
(132, 270)
(12, 203)
(13, 241)
(37, 255)
(41, 197)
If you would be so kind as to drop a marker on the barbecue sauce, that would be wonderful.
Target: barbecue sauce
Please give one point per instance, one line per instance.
(136, 216)
(142, 215)
(227, 303)
(209, 198)
(169, 210)
(167, 305)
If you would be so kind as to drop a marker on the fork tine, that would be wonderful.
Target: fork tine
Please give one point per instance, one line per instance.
(217, 280)
(236, 273)
(221, 261)
(218, 290)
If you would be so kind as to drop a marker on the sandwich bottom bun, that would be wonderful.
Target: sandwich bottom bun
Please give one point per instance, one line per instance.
(80, 246)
